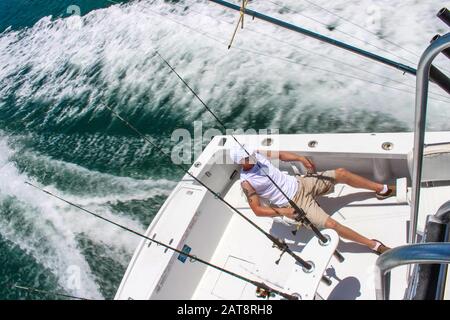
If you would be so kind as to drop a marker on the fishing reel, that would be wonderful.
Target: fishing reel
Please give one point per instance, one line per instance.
(300, 218)
(282, 246)
(263, 293)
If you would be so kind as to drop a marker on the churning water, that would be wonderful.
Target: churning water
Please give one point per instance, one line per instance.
(59, 71)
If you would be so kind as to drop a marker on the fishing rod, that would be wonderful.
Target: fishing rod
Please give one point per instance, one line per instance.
(435, 74)
(47, 292)
(301, 214)
(280, 244)
(258, 285)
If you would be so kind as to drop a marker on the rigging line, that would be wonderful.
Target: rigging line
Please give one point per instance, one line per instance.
(48, 292)
(301, 213)
(317, 54)
(361, 27)
(279, 244)
(321, 37)
(300, 48)
(334, 72)
(193, 257)
(222, 42)
(343, 32)
(206, 34)
(350, 35)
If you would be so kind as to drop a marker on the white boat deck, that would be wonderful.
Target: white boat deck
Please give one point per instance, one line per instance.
(354, 279)
(192, 219)
(244, 250)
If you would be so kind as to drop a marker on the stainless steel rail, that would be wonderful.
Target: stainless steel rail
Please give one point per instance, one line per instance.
(426, 253)
(422, 83)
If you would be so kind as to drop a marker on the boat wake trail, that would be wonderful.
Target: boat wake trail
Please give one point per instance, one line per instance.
(69, 244)
(57, 76)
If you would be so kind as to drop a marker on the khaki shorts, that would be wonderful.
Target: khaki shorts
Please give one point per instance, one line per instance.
(310, 187)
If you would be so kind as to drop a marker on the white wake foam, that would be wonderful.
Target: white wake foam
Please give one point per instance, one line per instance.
(121, 40)
(110, 51)
(55, 225)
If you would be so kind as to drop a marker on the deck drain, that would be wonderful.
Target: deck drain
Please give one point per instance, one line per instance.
(313, 144)
(313, 266)
(267, 142)
(388, 146)
(324, 244)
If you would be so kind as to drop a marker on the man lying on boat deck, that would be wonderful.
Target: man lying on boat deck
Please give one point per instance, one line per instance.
(303, 190)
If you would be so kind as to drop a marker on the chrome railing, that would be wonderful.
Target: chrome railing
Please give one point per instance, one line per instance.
(422, 83)
(425, 253)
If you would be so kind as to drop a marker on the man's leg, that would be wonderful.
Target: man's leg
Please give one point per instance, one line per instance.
(344, 176)
(348, 233)
(312, 187)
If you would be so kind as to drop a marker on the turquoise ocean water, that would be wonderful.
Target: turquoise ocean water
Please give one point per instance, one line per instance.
(58, 70)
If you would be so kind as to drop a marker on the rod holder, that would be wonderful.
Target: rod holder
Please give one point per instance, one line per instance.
(446, 52)
(444, 15)
(422, 86)
(435, 74)
(440, 79)
(326, 280)
(339, 256)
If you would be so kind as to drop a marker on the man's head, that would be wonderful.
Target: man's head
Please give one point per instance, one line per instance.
(240, 156)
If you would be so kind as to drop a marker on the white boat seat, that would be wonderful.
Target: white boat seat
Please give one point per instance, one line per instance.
(402, 190)
(431, 199)
(435, 156)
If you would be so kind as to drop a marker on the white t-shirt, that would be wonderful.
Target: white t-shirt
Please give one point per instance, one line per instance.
(264, 187)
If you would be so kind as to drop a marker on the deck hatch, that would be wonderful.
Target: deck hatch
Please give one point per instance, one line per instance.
(228, 287)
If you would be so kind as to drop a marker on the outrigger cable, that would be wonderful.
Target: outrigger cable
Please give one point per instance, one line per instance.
(300, 212)
(257, 284)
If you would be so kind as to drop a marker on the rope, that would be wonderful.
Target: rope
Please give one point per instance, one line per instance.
(241, 21)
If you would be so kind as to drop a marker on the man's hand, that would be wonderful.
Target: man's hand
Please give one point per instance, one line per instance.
(287, 212)
(309, 165)
(290, 156)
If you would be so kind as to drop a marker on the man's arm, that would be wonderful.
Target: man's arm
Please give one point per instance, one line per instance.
(263, 211)
(289, 156)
